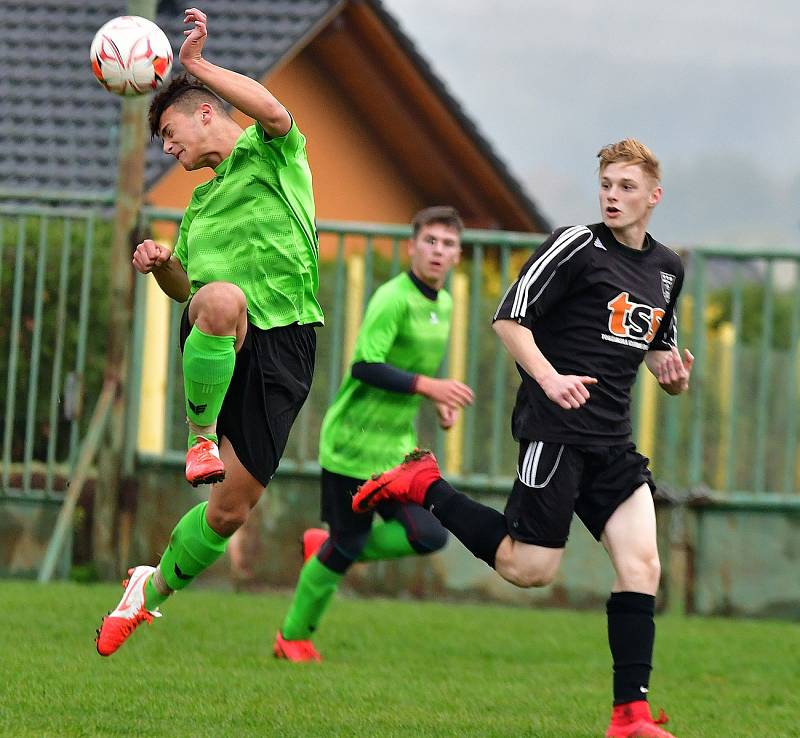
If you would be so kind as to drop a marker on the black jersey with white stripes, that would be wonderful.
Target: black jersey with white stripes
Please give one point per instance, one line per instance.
(595, 307)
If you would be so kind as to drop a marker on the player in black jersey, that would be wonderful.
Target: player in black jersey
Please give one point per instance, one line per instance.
(588, 307)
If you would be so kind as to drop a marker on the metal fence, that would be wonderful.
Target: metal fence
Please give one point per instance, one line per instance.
(733, 438)
(52, 264)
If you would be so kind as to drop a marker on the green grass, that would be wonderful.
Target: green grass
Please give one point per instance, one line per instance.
(392, 668)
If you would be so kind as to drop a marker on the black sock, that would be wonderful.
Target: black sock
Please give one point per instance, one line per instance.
(479, 527)
(631, 632)
(333, 557)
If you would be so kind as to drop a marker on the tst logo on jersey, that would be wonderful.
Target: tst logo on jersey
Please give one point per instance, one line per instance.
(632, 319)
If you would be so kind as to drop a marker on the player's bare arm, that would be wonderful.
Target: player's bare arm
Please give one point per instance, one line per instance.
(566, 390)
(152, 258)
(245, 94)
(671, 371)
(448, 392)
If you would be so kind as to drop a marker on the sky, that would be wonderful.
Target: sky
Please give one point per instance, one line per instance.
(713, 88)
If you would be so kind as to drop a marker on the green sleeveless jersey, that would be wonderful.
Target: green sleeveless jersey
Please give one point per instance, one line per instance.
(253, 225)
(368, 429)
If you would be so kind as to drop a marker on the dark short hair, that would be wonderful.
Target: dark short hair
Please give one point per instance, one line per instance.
(444, 214)
(185, 91)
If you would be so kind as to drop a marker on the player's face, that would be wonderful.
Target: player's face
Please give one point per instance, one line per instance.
(182, 135)
(627, 195)
(434, 251)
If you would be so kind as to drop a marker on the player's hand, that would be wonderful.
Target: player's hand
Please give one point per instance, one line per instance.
(149, 255)
(673, 372)
(192, 47)
(447, 415)
(447, 391)
(567, 390)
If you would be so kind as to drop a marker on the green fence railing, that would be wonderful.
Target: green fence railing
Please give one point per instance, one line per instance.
(734, 438)
(52, 329)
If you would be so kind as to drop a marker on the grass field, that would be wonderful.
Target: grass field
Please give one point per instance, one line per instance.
(391, 669)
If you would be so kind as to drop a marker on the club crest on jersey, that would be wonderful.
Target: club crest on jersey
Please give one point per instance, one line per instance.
(667, 280)
(633, 323)
(434, 318)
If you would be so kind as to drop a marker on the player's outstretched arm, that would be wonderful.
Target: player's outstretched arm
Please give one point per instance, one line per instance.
(152, 258)
(245, 94)
(568, 391)
(671, 371)
(448, 392)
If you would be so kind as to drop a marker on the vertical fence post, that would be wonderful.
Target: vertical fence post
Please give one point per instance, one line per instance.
(764, 390)
(699, 348)
(130, 186)
(13, 351)
(457, 365)
(790, 446)
(355, 306)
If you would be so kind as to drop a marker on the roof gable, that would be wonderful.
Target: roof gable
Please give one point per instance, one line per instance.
(60, 129)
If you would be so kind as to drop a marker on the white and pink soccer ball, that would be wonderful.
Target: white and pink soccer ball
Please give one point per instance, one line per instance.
(131, 56)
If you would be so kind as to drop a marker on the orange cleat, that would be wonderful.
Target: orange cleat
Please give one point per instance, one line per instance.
(203, 465)
(296, 651)
(313, 538)
(633, 720)
(129, 613)
(407, 482)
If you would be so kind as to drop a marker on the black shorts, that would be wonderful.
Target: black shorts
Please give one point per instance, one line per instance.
(336, 505)
(270, 383)
(554, 480)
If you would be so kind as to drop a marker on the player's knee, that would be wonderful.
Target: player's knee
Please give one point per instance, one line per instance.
(522, 573)
(640, 573)
(531, 577)
(227, 520)
(428, 538)
(219, 307)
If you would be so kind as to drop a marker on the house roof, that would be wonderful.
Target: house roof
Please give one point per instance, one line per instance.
(464, 120)
(59, 130)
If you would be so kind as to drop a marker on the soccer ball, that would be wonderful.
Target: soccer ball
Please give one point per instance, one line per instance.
(131, 56)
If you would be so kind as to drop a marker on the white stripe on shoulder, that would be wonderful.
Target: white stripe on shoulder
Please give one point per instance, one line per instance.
(553, 273)
(568, 237)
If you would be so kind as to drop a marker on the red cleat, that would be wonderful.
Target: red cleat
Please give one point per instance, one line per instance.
(203, 465)
(296, 651)
(313, 538)
(407, 482)
(128, 614)
(633, 720)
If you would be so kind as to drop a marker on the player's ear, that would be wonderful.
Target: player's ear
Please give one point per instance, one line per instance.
(655, 196)
(206, 112)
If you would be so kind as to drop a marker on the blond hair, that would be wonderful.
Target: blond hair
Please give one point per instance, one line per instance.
(630, 151)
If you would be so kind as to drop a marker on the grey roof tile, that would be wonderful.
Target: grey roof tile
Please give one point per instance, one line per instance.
(59, 128)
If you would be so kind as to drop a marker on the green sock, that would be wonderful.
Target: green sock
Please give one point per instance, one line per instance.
(315, 589)
(387, 541)
(208, 363)
(193, 547)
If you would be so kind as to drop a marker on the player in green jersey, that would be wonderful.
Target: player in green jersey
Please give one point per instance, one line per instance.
(399, 348)
(246, 259)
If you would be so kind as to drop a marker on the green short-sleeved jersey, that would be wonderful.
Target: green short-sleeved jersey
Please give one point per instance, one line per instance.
(368, 429)
(253, 225)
